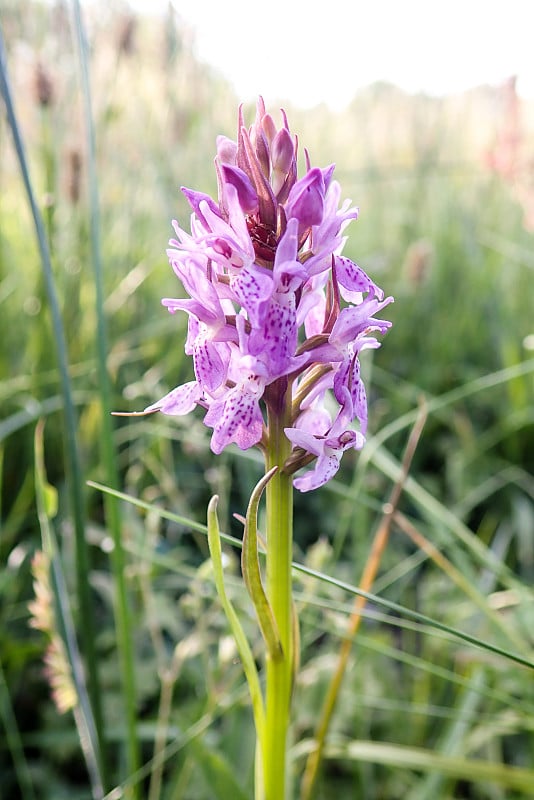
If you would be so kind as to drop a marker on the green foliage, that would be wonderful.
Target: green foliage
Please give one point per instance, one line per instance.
(422, 714)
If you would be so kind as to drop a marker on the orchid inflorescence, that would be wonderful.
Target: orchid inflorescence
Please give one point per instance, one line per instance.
(266, 279)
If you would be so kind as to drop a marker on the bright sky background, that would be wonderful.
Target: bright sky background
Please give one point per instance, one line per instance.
(310, 51)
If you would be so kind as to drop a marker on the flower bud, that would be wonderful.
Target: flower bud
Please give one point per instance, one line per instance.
(246, 194)
(226, 150)
(284, 164)
(306, 199)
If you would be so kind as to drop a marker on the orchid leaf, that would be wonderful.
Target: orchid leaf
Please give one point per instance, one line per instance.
(251, 571)
(245, 653)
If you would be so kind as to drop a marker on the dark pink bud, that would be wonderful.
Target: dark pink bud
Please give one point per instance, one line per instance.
(306, 199)
(283, 150)
(269, 128)
(248, 161)
(284, 163)
(259, 140)
(248, 199)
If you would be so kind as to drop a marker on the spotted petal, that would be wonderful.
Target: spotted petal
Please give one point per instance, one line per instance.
(253, 289)
(351, 277)
(179, 401)
(236, 418)
(325, 469)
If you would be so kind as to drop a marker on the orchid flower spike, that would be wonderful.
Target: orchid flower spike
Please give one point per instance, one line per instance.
(274, 310)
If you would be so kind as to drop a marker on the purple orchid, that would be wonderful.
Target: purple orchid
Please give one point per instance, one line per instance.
(266, 280)
(328, 447)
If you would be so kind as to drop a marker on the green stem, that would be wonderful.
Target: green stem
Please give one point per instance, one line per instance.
(279, 671)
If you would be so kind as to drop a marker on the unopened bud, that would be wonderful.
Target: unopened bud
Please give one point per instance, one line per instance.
(283, 161)
(226, 150)
(306, 199)
(248, 199)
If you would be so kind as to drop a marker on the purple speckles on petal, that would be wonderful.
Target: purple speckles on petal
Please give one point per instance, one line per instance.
(350, 276)
(347, 380)
(325, 469)
(237, 419)
(276, 339)
(253, 290)
(359, 399)
(179, 401)
(210, 368)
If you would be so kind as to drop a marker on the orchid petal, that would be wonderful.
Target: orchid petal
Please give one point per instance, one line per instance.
(352, 277)
(235, 419)
(179, 401)
(252, 289)
(325, 469)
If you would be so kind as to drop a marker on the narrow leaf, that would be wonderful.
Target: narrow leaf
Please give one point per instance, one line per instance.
(245, 653)
(252, 575)
(420, 759)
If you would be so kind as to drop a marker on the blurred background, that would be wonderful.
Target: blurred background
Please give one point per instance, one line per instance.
(428, 112)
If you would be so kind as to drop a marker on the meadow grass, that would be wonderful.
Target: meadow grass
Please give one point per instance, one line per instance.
(436, 699)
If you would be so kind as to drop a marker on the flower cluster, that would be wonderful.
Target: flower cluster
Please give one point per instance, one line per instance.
(266, 281)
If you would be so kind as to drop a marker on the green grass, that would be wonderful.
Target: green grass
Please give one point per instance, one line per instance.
(433, 704)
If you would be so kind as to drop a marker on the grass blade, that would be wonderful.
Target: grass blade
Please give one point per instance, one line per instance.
(419, 759)
(123, 615)
(245, 653)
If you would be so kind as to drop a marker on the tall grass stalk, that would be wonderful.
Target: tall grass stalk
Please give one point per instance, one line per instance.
(123, 616)
(73, 472)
